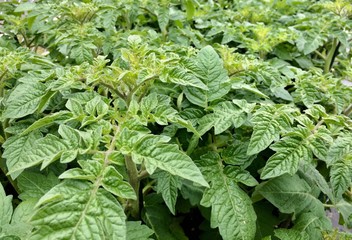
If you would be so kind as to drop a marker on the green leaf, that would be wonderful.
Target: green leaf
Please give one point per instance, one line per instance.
(167, 157)
(286, 160)
(225, 115)
(266, 130)
(163, 18)
(236, 154)
(240, 175)
(46, 150)
(24, 100)
(47, 121)
(182, 77)
(113, 182)
(310, 172)
(82, 52)
(6, 209)
(231, 208)
(309, 42)
(168, 186)
(70, 135)
(341, 146)
(34, 185)
(17, 149)
(138, 231)
(290, 194)
(208, 67)
(20, 225)
(290, 234)
(312, 225)
(345, 208)
(24, 7)
(341, 176)
(78, 210)
(162, 222)
(309, 94)
(190, 9)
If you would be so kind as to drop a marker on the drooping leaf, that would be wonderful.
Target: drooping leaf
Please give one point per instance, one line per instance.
(168, 186)
(78, 210)
(47, 121)
(208, 67)
(231, 208)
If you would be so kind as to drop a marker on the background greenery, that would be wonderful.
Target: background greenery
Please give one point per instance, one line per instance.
(193, 119)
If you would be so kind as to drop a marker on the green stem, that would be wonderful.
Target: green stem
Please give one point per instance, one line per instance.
(331, 55)
(348, 110)
(112, 89)
(135, 183)
(130, 95)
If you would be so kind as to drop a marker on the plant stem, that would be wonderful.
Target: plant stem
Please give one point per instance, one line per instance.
(134, 181)
(348, 110)
(331, 55)
(130, 95)
(112, 89)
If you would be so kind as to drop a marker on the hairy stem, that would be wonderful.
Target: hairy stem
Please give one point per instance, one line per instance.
(348, 110)
(135, 183)
(130, 95)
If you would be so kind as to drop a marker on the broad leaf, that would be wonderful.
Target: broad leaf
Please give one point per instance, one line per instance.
(290, 234)
(46, 150)
(231, 208)
(341, 175)
(291, 194)
(208, 67)
(78, 210)
(341, 146)
(35, 185)
(168, 186)
(286, 160)
(17, 149)
(225, 115)
(24, 100)
(167, 157)
(266, 130)
(6, 207)
(138, 231)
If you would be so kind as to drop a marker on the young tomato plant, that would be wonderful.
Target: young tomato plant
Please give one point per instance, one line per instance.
(175, 120)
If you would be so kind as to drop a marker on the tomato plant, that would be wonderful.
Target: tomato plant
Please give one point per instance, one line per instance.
(192, 119)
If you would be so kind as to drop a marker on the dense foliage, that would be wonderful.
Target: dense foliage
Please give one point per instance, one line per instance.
(192, 119)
